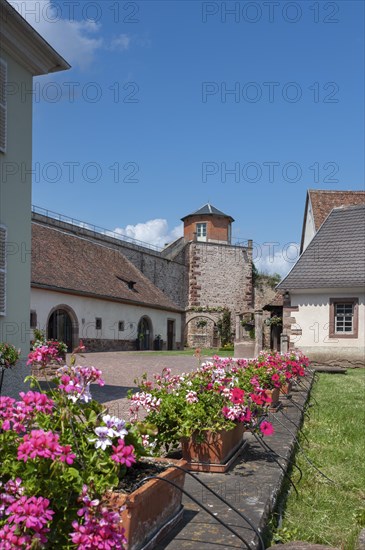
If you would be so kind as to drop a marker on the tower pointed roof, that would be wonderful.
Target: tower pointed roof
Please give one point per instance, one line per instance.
(208, 210)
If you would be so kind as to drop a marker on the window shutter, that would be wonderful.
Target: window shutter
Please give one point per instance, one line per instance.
(2, 270)
(3, 81)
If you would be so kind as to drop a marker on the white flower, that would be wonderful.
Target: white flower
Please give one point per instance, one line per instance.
(103, 438)
(191, 397)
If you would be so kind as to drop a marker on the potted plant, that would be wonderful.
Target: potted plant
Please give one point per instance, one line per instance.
(65, 462)
(275, 320)
(206, 411)
(158, 343)
(248, 325)
(46, 355)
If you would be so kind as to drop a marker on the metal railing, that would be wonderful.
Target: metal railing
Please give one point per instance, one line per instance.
(97, 230)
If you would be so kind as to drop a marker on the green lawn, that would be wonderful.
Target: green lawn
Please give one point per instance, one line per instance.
(328, 513)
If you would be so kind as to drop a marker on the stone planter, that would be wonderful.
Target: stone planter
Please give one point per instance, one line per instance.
(216, 452)
(152, 509)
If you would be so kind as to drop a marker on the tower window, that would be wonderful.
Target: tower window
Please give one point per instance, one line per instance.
(201, 231)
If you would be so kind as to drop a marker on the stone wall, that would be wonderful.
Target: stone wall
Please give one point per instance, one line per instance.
(169, 275)
(197, 336)
(263, 295)
(100, 344)
(220, 276)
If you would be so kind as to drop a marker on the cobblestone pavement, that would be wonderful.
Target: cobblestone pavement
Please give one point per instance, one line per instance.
(121, 368)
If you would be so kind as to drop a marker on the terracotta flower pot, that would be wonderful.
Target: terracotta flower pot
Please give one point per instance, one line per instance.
(274, 394)
(217, 447)
(151, 508)
(286, 388)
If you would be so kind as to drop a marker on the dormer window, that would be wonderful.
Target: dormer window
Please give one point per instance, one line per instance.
(130, 284)
(201, 232)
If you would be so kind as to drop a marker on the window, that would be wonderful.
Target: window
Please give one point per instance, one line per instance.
(98, 323)
(344, 318)
(121, 326)
(33, 319)
(3, 81)
(2, 270)
(201, 231)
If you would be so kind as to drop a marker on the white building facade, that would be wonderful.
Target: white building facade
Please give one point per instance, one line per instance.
(23, 55)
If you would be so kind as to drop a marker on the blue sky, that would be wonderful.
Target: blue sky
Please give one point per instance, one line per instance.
(143, 130)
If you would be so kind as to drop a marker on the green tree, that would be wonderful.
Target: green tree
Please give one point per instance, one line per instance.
(224, 327)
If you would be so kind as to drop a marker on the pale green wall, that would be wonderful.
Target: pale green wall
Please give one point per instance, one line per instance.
(15, 208)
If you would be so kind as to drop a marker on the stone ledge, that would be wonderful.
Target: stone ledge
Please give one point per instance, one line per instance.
(253, 486)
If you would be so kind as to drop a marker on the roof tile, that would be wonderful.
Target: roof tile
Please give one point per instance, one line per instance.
(208, 210)
(336, 255)
(324, 201)
(63, 261)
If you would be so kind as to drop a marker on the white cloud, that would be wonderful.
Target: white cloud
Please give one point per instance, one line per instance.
(275, 258)
(120, 43)
(75, 39)
(154, 232)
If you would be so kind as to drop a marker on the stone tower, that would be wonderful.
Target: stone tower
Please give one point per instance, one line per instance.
(219, 275)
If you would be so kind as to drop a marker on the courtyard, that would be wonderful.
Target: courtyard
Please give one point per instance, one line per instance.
(121, 368)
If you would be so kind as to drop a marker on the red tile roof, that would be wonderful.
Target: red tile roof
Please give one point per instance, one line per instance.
(70, 263)
(324, 201)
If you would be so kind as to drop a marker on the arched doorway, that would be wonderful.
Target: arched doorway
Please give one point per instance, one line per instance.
(201, 331)
(61, 327)
(144, 334)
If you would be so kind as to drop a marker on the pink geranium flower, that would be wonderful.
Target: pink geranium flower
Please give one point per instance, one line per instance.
(44, 445)
(123, 454)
